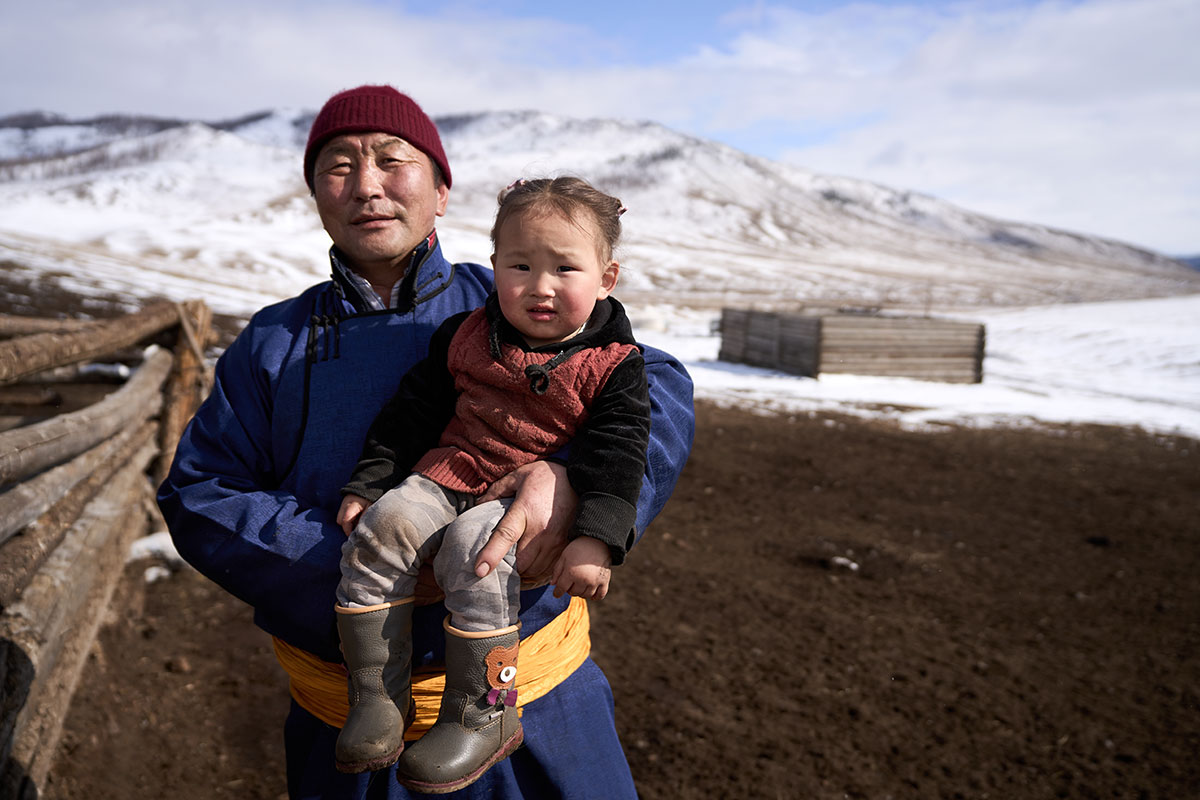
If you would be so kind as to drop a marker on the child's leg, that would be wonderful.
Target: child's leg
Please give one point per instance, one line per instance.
(377, 644)
(474, 603)
(397, 534)
(380, 561)
(477, 723)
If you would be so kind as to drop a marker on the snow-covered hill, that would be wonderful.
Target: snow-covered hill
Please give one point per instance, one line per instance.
(185, 209)
(220, 211)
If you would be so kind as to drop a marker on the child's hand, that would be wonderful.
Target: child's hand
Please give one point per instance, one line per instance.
(583, 569)
(352, 508)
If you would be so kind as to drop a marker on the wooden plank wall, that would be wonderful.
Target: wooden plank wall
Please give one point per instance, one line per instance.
(76, 488)
(861, 344)
(911, 347)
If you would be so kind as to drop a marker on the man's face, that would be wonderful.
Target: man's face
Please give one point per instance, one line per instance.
(377, 198)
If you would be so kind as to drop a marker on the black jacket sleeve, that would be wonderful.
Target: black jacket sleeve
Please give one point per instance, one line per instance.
(608, 459)
(412, 421)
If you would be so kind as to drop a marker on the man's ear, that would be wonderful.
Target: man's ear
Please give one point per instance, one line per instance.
(608, 281)
(443, 195)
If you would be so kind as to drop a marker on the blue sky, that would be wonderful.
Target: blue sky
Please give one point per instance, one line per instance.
(1076, 114)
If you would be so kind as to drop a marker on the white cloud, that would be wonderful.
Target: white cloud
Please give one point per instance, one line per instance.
(1077, 114)
(1081, 116)
(229, 57)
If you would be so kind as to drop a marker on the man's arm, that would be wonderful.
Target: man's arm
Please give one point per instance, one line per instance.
(229, 519)
(672, 430)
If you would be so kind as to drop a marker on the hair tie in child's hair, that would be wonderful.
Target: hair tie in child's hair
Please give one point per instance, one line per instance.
(507, 190)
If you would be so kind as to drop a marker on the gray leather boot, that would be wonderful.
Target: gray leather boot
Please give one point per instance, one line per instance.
(377, 645)
(477, 723)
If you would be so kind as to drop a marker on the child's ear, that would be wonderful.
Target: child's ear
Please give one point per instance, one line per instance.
(608, 280)
(493, 262)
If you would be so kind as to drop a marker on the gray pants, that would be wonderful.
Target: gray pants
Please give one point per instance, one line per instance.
(408, 526)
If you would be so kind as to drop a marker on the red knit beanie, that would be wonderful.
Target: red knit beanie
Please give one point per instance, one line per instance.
(371, 109)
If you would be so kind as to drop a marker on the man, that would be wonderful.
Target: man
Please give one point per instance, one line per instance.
(252, 496)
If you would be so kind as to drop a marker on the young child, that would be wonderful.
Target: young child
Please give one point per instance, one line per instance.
(549, 363)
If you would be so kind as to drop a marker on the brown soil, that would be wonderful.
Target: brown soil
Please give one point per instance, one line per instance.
(827, 609)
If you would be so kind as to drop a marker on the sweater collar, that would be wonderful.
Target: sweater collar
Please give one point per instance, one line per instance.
(607, 323)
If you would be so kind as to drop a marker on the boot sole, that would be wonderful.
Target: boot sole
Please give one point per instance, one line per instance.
(504, 752)
(370, 765)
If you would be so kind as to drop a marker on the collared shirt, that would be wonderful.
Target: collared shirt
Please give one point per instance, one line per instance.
(365, 289)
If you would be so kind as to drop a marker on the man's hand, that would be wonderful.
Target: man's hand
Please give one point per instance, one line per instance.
(538, 519)
(583, 569)
(352, 508)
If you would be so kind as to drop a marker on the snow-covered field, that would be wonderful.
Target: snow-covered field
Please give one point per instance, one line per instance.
(192, 212)
(1133, 363)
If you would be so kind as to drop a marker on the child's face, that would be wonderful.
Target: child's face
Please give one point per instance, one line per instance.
(549, 273)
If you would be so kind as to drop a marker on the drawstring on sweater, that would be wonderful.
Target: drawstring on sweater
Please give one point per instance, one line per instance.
(539, 374)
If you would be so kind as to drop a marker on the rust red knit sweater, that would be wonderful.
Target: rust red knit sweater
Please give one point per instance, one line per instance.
(499, 423)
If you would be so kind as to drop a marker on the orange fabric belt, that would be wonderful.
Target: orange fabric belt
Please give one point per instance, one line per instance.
(547, 657)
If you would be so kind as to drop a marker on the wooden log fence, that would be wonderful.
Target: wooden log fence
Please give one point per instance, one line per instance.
(75, 491)
(28, 355)
(862, 344)
(31, 449)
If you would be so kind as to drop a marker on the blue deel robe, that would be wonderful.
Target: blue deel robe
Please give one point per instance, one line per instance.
(253, 492)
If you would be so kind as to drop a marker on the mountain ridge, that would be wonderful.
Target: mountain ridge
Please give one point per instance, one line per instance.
(709, 225)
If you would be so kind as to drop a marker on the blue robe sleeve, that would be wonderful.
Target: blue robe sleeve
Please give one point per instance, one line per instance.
(229, 519)
(672, 429)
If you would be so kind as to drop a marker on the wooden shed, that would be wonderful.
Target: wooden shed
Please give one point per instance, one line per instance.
(859, 343)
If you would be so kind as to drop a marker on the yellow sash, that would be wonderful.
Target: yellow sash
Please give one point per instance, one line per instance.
(546, 658)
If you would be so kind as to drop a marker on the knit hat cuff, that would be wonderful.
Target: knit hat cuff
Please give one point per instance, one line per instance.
(369, 109)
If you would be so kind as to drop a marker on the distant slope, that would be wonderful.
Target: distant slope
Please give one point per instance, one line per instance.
(220, 209)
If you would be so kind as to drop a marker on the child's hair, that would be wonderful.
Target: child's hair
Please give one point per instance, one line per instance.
(566, 195)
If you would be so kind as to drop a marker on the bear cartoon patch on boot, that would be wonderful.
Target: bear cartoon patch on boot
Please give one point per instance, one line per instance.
(501, 675)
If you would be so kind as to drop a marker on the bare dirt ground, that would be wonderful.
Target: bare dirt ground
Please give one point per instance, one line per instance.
(828, 608)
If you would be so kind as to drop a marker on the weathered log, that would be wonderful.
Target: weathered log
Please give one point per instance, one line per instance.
(108, 371)
(31, 354)
(25, 502)
(45, 638)
(29, 395)
(64, 397)
(189, 382)
(10, 421)
(27, 450)
(22, 555)
(25, 326)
